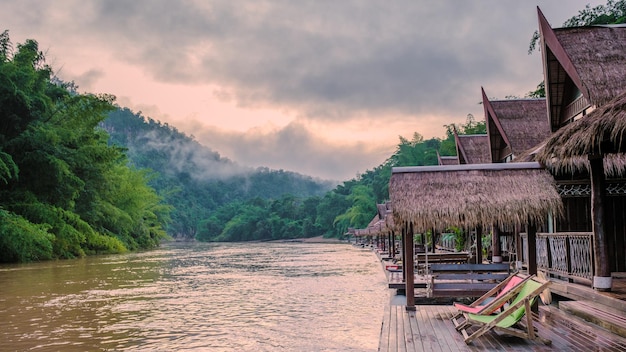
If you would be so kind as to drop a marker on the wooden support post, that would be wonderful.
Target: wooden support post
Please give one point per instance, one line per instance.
(602, 280)
(409, 260)
(496, 251)
(531, 232)
(479, 245)
(403, 241)
(519, 248)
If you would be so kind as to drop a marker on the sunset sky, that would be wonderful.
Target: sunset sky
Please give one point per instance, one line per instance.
(322, 88)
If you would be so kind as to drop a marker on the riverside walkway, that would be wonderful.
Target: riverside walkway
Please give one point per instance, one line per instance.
(430, 328)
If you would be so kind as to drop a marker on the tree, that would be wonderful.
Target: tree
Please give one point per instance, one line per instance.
(75, 194)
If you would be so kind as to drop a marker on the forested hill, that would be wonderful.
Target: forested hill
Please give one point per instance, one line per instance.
(192, 178)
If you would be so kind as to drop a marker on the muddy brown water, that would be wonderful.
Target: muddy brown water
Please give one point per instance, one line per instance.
(197, 297)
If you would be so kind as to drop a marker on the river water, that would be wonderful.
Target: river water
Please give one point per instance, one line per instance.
(197, 297)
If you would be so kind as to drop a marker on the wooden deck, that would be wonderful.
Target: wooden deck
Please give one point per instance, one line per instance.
(429, 328)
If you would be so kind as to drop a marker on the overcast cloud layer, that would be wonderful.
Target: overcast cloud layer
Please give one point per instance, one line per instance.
(319, 87)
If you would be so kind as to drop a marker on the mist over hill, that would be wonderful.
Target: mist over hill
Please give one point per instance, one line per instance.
(194, 179)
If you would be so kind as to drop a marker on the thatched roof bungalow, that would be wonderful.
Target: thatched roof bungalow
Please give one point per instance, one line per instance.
(514, 126)
(586, 98)
(468, 196)
(583, 68)
(436, 197)
(472, 148)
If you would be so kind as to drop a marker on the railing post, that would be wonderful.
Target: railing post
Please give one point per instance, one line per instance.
(568, 263)
(602, 280)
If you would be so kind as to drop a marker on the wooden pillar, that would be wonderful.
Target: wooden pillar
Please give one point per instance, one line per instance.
(479, 245)
(496, 251)
(602, 280)
(531, 232)
(409, 258)
(391, 250)
(519, 248)
(403, 241)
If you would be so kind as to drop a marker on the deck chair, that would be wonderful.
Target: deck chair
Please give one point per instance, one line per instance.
(492, 300)
(506, 321)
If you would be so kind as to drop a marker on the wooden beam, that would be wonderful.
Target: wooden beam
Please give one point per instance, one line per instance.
(602, 280)
(496, 252)
(479, 245)
(409, 260)
(531, 232)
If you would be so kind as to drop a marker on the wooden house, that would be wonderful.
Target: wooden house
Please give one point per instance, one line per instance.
(471, 196)
(514, 126)
(472, 148)
(585, 84)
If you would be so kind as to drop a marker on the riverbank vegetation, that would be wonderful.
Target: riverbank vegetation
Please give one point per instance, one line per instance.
(64, 191)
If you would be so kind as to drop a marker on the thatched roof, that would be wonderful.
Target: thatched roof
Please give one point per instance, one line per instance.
(472, 148)
(515, 125)
(591, 58)
(447, 160)
(601, 132)
(471, 195)
(598, 54)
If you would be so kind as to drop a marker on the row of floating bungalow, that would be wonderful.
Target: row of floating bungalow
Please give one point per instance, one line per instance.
(548, 180)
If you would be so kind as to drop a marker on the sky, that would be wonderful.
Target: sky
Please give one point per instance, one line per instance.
(323, 88)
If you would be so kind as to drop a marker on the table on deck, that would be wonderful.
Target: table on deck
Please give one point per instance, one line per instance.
(429, 328)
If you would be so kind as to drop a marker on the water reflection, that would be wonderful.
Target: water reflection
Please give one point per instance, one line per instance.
(230, 297)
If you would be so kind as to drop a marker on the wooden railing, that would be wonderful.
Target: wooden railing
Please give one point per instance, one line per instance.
(575, 107)
(565, 254)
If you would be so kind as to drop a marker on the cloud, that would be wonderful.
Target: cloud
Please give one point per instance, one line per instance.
(326, 59)
(350, 64)
(294, 147)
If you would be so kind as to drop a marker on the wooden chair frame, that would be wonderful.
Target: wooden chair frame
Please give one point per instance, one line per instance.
(497, 293)
(523, 301)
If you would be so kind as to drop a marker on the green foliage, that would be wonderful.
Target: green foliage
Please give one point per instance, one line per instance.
(23, 241)
(260, 219)
(196, 181)
(540, 92)
(8, 168)
(75, 194)
(458, 236)
(361, 211)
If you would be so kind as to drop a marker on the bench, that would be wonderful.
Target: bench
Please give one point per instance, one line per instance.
(454, 257)
(465, 280)
(423, 261)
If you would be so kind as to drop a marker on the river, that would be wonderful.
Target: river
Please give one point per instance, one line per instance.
(197, 297)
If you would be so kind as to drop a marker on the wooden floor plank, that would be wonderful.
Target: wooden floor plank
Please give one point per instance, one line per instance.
(393, 330)
(429, 328)
(409, 333)
(385, 331)
(446, 329)
(402, 346)
(415, 330)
